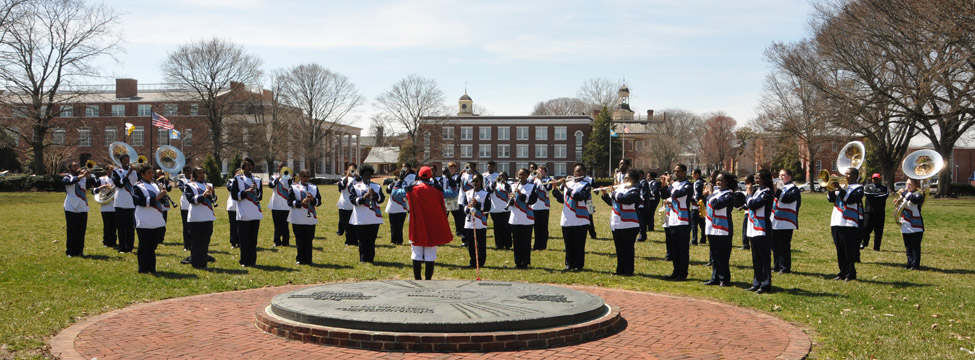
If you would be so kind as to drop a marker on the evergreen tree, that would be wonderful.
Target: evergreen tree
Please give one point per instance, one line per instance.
(212, 170)
(596, 153)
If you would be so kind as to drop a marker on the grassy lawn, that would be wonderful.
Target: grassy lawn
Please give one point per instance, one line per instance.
(890, 313)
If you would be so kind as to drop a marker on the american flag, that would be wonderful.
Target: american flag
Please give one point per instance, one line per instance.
(626, 130)
(161, 122)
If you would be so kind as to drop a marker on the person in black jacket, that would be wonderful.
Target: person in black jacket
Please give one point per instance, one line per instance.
(643, 187)
(697, 222)
(875, 209)
(651, 200)
(759, 230)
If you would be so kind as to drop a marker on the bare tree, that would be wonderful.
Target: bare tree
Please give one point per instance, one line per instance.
(561, 106)
(47, 46)
(409, 101)
(325, 99)
(270, 122)
(716, 135)
(674, 136)
(208, 68)
(597, 93)
(7, 15)
(382, 130)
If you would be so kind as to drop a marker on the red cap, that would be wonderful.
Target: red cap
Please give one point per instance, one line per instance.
(875, 176)
(425, 173)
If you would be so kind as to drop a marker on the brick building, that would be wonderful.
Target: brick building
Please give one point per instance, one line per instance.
(512, 141)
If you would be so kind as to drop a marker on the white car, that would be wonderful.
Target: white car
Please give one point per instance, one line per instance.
(811, 186)
(899, 185)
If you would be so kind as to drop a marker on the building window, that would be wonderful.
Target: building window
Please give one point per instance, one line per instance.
(819, 165)
(835, 148)
(560, 132)
(145, 110)
(484, 150)
(84, 137)
(14, 133)
(447, 151)
(59, 135)
(138, 136)
(560, 151)
(541, 133)
(484, 133)
(426, 144)
(504, 150)
(559, 169)
(194, 109)
(67, 110)
(834, 163)
(466, 151)
(519, 166)
(91, 110)
(448, 133)
(639, 145)
(466, 133)
(578, 145)
(111, 135)
(20, 111)
(170, 110)
(118, 110)
(504, 133)
(522, 150)
(162, 136)
(522, 133)
(504, 167)
(188, 137)
(541, 151)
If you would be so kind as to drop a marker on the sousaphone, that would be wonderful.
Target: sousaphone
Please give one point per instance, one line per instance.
(852, 155)
(170, 159)
(117, 149)
(924, 166)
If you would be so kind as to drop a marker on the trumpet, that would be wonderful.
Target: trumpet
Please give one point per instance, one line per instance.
(142, 160)
(286, 173)
(90, 165)
(702, 209)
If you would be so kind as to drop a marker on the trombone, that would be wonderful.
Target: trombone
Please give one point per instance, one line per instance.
(852, 155)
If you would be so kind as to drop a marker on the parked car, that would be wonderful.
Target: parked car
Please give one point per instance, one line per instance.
(899, 185)
(811, 186)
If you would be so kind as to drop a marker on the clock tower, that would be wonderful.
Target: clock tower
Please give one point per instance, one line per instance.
(465, 106)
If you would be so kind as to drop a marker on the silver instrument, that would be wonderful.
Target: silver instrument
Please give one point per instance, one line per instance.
(853, 155)
(922, 165)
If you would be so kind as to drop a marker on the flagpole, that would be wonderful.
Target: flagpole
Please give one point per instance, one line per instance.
(609, 165)
(624, 141)
(150, 135)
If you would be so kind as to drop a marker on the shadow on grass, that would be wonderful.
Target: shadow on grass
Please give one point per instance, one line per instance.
(174, 275)
(925, 268)
(231, 271)
(812, 274)
(807, 293)
(99, 257)
(330, 266)
(272, 268)
(393, 264)
(895, 284)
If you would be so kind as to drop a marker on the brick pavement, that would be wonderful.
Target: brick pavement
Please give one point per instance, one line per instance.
(221, 325)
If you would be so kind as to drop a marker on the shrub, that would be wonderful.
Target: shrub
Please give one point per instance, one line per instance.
(9, 160)
(323, 181)
(962, 189)
(31, 183)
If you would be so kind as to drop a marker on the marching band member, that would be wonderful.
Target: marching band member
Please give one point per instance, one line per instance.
(456, 185)
(624, 221)
(450, 194)
(428, 223)
(184, 205)
(248, 191)
(652, 199)
(641, 210)
(76, 184)
(575, 218)
(124, 179)
(149, 223)
(785, 219)
(720, 227)
(366, 215)
(232, 212)
(759, 202)
(109, 238)
(696, 220)
(280, 211)
(749, 180)
(666, 188)
(201, 198)
(709, 187)
(163, 182)
(303, 198)
(621, 171)
(522, 218)
(497, 185)
(397, 207)
(345, 207)
(678, 199)
(476, 202)
(541, 208)
(912, 224)
(592, 211)
(875, 209)
(844, 224)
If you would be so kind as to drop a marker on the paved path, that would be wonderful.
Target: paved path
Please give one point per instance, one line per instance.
(221, 326)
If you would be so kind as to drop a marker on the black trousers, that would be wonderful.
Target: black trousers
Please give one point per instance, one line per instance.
(148, 240)
(680, 250)
(641, 214)
(847, 243)
(125, 221)
(874, 222)
(720, 246)
(625, 239)
(187, 238)
(367, 241)
(502, 230)
(459, 217)
(351, 238)
(232, 215)
(522, 237)
(304, 235)
(396, 221)
(541, 229)
(912, 243)
(782, 250)
(200, 234)
(761, 261)
(281, 234)
(75, 224)
(651, 210)
(247, 241)
(481, 241)
(109, 238)
(744, 225)
(697, 222)
(668, 244)
(575, 246)
(165, 215)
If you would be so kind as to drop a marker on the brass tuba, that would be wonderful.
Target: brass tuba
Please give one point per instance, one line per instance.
(170, 161)
(853, 155)
(923, 165)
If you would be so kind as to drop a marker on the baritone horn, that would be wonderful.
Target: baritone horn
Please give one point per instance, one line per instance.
(852, 155)
(286, 173)
(90, 165)
(922, 165)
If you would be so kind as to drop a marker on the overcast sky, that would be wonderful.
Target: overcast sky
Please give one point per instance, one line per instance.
(698, 55)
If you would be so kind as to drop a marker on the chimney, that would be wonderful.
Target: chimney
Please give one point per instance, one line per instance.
(650, 115)
(268, 95)
(126, 88)
(595, 113)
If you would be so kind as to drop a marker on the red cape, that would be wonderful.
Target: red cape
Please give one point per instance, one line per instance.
(428, 216)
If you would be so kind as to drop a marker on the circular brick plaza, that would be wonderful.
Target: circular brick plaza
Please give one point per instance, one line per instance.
(222, 325)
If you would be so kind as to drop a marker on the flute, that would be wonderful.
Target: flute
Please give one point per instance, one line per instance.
(611, 187)
(567, 178)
